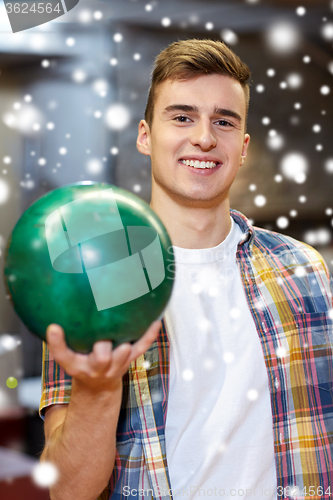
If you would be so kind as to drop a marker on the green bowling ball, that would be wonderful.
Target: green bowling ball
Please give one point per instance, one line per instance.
(93, 258)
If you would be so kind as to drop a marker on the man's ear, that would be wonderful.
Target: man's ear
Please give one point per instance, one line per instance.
(245, 148)
(143, 140)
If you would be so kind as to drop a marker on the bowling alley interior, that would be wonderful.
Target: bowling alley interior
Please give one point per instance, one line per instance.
(72, 92)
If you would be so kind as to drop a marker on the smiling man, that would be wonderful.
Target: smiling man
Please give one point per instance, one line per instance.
(232, 396)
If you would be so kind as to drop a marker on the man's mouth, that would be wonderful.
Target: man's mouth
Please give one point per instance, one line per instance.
(200, 164)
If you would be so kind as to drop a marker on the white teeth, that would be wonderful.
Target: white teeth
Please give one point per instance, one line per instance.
(199, 164)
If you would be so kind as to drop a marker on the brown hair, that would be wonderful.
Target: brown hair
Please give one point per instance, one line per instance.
(188, 59)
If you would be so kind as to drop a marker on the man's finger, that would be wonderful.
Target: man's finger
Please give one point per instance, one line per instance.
(146, 340)
(56, 343)
(100, 357)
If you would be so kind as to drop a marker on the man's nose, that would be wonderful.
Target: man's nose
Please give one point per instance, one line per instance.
(203, 136)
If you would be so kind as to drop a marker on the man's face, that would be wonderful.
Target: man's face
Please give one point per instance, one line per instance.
(197, 122)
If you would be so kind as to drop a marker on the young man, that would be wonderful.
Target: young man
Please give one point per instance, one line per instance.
(233, 395)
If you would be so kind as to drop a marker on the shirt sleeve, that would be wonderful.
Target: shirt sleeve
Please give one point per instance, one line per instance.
(56, 384)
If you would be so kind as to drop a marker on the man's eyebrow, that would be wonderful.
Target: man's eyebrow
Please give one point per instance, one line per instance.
(228, 112)
(181, 107)
(194, 109)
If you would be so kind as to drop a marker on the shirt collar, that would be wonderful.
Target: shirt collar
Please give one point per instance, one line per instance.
(246, 228)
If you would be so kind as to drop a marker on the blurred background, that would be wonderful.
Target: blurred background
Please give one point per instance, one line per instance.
(72, 92)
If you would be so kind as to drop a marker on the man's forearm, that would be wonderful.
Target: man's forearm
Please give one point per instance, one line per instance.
(83, 448)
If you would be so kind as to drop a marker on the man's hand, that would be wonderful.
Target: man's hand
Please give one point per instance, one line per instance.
(104, 367)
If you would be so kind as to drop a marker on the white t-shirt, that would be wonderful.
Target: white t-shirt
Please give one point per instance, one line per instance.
(219, 430)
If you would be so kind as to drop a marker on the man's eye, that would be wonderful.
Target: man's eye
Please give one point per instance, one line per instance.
(181, 119)
(224, 123)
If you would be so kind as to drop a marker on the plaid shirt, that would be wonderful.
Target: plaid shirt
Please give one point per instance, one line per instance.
(287, 286)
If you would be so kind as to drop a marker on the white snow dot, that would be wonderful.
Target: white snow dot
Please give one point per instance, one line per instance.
(275, 141)
(187, 375)
(302, 199)
(117, 37)
(79, 76)
(229, 37)
(278, 178)
(327, 31)
(271, 72)
(283, 85)
(100, 86)
(70, 41)
(266, 120)
(260, 200)
(136, 56)
(319, 147)
(228, 357)
(4, 191)
(166, 21)
(98, 15)
(204, 325)
(114, 151)
(208, 363)
(301, 11)
(300, 178)
(7, 341)
(310, 237)
(252, 394)
(330, 313)
(196, 288)
(117, 117)
(45, 474)
(282, 222)
(85, 16)
(293, 213)
(148, 7)
(27, 98)
(42, 161)
(252, 187)
(330, 67)
(259, 305)
(282, 37)
(316, 128)
(62, 151)
(281, 352)
(324, 236)
(209, 26)
(17, 105)
(235, 313)
(328, 211)
(260, 88)
(97, 114)
(329, 165)
(294, 164)
(45, 63)
(7, 160)
(297, 105)
(137, 188)
(113, 61)
(213, 291)
(325, 90)
(50, 126)
(94, 166)
(294, 80)
(300, 271)
(306, 59)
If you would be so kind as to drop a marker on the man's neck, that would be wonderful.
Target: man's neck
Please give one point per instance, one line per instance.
(193, 226)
